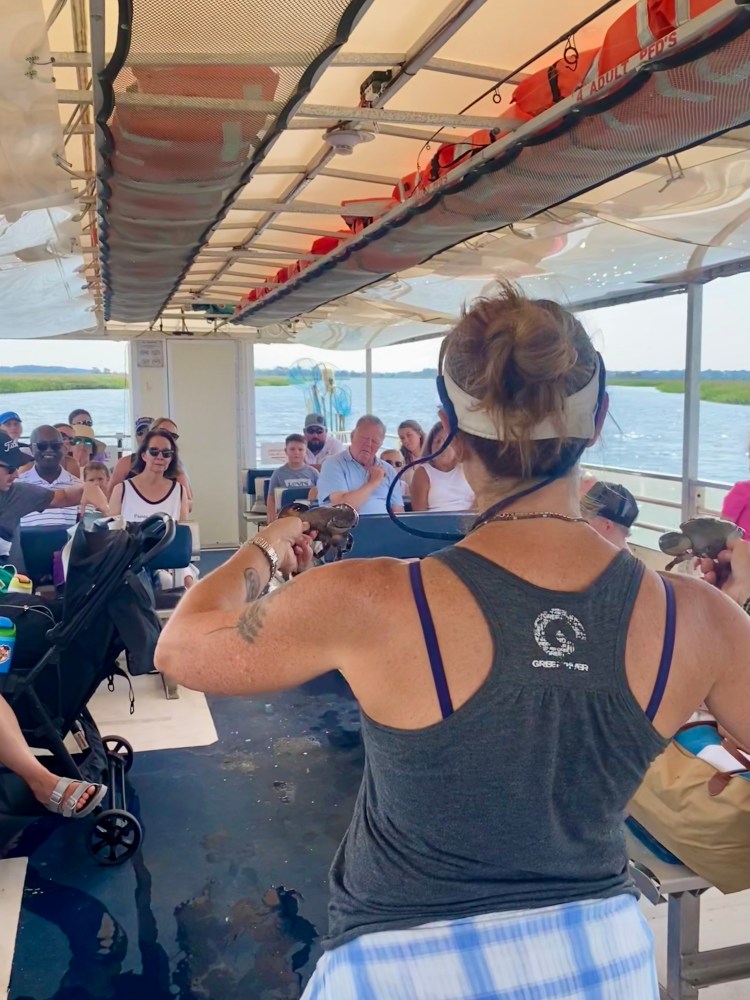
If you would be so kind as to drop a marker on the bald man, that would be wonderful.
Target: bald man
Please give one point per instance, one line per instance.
(48, 449)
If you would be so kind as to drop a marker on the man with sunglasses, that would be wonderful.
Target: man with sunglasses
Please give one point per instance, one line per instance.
(48, 450)
(320, 444)
(18, 498)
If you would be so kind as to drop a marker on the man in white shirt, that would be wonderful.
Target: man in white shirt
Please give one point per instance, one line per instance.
(320, 444)
(48, 451)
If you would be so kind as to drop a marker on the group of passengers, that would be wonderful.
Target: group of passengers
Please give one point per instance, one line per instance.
(63, 470)
(357, 475)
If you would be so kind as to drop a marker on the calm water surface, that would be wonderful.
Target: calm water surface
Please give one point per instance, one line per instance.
(644, 431)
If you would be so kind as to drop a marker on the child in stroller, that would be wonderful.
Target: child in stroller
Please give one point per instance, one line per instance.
(107, 608)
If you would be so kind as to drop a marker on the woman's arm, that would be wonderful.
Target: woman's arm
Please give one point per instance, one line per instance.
(420, 490)
(120, 474)
(184, 482)
(115, 500)
(184, 504)
(224, 639)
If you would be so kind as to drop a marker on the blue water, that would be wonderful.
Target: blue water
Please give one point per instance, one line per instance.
(649, 436)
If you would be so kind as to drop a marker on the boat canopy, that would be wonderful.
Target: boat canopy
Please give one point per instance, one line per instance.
(347, 173)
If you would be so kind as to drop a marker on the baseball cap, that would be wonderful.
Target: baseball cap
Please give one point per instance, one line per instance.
(613, 501)
(10, 454)
(142, 423)
(314, 420)
(9, 415)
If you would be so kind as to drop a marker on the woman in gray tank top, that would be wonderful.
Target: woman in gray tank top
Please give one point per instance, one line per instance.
(486, 854)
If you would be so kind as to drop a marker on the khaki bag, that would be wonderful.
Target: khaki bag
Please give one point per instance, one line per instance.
(700, 814)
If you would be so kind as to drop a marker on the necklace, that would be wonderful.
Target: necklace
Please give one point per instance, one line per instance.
(528, 515)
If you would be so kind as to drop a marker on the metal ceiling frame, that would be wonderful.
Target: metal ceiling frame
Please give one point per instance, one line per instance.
(426, 47)
(203, 280)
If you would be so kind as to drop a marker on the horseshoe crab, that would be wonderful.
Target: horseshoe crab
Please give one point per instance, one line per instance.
(700, 536)
(332, 524)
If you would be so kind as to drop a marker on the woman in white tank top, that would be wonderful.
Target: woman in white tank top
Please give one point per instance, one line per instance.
(440, 484)
(154, 490)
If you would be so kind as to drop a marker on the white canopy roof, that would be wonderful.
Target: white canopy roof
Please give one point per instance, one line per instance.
(655, 226)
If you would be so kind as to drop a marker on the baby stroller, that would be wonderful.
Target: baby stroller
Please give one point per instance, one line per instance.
(107, 608)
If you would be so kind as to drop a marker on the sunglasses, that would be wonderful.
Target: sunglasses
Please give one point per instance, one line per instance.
(66, 437)
(315, 430)
(86, 441)
(164, 452)
(44, 445)
(396, 465)
(84, 423)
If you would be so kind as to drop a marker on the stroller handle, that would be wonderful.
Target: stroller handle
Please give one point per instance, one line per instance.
(156, 533)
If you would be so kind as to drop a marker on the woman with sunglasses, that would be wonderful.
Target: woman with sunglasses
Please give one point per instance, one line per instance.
(125, 468)
(154, 488)
(68, 462)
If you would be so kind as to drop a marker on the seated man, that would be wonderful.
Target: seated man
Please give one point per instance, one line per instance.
(611, 510)
(320, 444)
(48, 450)
(296, 472)
(18, 499)
(357, 476)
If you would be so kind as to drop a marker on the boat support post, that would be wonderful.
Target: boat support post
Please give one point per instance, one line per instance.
(368, 380)
(691, 414)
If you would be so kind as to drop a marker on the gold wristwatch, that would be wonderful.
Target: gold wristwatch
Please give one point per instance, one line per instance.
(268, 551)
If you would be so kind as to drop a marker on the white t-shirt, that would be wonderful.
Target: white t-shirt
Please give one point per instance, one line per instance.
(448, 490)
(331, 446)
(64, 517)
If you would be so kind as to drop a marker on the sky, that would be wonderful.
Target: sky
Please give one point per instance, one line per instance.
(642, 335)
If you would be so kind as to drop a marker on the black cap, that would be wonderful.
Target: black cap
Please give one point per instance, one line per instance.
(613, 501)
(10, 454)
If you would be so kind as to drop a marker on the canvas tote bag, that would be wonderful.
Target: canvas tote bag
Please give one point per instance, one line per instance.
(699, 813)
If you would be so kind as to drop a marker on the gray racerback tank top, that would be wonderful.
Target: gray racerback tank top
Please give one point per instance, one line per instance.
(517, 799)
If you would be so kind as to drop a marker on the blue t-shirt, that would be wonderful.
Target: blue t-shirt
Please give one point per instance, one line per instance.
(341, 474)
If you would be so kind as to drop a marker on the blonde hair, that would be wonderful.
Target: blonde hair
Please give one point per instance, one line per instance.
(156, 424)
(521, 358)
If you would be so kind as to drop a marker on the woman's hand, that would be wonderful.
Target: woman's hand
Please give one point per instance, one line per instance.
(293, 546)
(730, 571)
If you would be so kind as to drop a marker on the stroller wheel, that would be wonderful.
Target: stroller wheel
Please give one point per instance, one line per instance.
(119, 748)
(114, 837)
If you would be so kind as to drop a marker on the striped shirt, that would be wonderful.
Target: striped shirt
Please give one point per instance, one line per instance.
(58, 517)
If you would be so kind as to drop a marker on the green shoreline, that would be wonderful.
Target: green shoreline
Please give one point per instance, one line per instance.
(62, 383)
(734, 391)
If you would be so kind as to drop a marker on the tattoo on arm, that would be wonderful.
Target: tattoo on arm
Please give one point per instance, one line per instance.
(252, 585)
(250, 620)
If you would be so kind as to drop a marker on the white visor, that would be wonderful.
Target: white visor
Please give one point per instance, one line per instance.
(578, 416)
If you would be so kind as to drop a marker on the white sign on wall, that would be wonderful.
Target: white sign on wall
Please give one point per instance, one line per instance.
(272, 453)
(150, 353)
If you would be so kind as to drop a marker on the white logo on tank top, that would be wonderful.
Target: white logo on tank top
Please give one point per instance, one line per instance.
(556, 633)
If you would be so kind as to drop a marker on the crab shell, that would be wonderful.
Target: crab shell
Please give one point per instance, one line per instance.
(700, 536)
